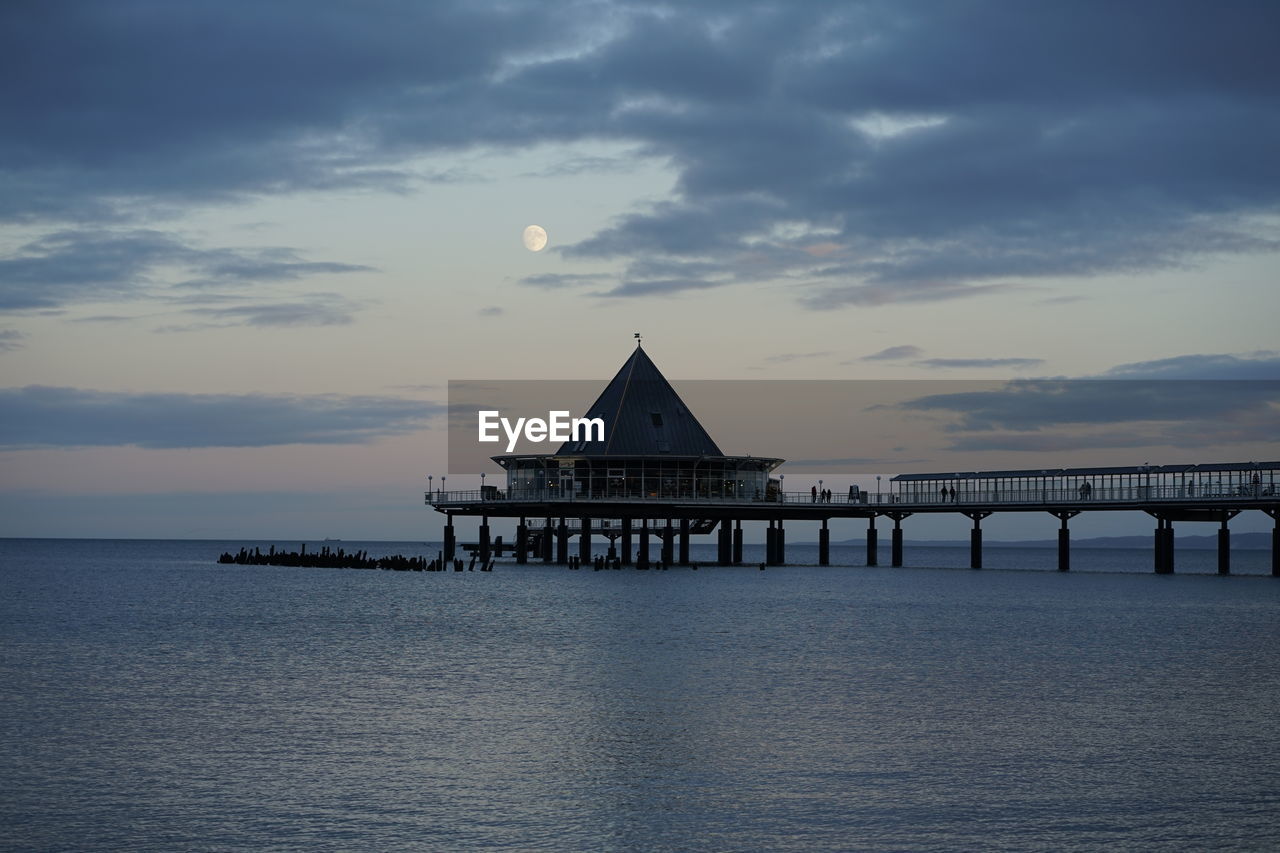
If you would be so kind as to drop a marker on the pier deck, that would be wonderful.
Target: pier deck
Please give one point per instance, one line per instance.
(1169, 494)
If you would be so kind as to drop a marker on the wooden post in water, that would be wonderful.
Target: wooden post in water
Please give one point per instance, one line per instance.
(684, 541)
(873, 558)
(562, 543)
(771, 545)
(824, 545)
(522, 541)
(724, 543)
(584, 541)
(737, 542)
(484, 540)
(643, 562)
(781, 545)
(545, 544)
(450, 540)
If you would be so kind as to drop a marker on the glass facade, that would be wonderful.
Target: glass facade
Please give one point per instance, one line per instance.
(723, 477)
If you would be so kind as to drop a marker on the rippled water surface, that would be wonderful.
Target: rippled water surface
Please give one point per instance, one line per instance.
(155, 700)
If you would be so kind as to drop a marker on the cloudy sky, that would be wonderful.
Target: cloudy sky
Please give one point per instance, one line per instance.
(244, 246)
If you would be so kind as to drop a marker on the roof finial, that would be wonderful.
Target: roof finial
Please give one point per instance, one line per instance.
(637, 336)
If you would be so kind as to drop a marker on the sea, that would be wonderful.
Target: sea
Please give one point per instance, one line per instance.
(152, 699)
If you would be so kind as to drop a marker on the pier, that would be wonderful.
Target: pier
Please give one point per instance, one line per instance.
(658, 478)
(548, 519)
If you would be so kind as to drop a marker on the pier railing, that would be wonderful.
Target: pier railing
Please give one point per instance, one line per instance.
(1207, 494)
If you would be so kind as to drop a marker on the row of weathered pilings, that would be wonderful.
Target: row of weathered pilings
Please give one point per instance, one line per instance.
(550, 543)
(327, 558)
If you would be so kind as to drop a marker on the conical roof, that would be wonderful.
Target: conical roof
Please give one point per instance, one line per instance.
(643, 415)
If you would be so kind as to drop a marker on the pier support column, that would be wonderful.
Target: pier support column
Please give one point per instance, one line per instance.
(484, 540)
(896, 549)
(1064, 538)
(780, 545)
(643, 561)
(737, 542)
(668, 544)
(1224, 542)
(975, 539)
(626, 541)
(1275, 542)
(873, 557)
(684, 541)
(824, 545)
(1158, 546)
(1275, 550)
(1224, 547)
(545, 544)
(522, 541)
(584, 542)
(724, 543)
(562, 543)
(771, 545)
(1164, 546)
(450, 539)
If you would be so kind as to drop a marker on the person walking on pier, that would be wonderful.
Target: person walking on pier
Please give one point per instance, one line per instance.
(943, 492)
(813, 494)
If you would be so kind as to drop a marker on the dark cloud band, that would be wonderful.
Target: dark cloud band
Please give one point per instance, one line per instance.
(869, 152)
(39, 416)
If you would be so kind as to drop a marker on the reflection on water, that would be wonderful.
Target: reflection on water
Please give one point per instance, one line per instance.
(155, 700)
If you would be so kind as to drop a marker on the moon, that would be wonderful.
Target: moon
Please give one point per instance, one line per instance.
(535, 238)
